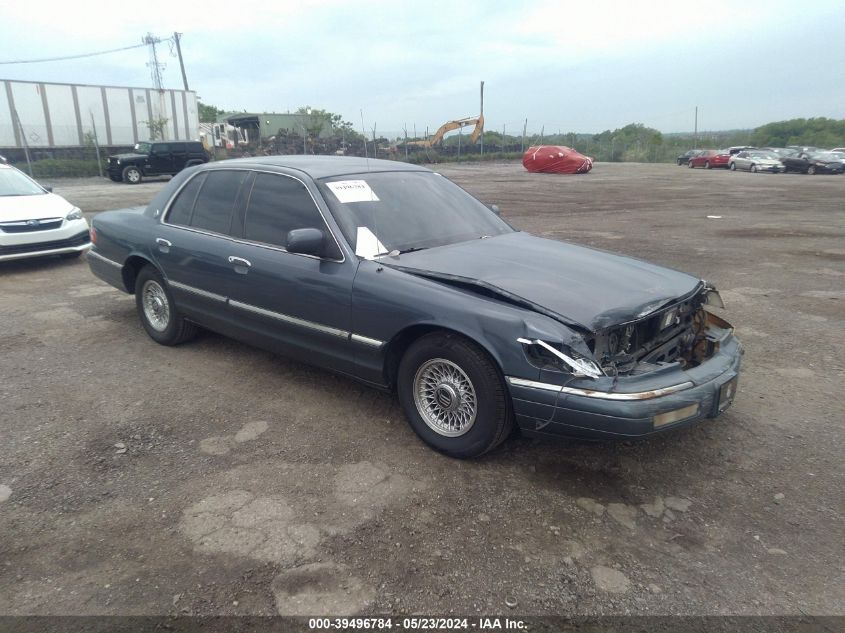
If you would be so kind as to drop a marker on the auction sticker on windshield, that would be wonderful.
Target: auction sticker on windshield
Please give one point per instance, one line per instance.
(352, 191)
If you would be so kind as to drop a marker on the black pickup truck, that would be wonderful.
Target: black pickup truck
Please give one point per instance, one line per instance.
(156, 159)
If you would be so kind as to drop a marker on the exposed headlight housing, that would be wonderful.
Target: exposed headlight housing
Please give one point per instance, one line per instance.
(74, 214)
(546, 356)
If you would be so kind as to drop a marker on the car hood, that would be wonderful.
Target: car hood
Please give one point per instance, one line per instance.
(128, 155)
(581, 286)
(37, 207)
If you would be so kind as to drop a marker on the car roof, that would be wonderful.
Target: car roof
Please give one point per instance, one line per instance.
(321, 166)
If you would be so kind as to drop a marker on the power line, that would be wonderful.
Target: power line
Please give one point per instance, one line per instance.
(59, 59)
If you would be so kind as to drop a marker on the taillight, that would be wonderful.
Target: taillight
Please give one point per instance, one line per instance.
(93, 234)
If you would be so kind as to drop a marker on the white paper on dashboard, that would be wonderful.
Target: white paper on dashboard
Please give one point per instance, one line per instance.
(367, 244)
(352, 191)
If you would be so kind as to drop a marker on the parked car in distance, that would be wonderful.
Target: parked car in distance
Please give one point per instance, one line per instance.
(710, 158)
(156, 158)
(838, 149)
(739, 148)
(780, 151)
(35, 222)
(838, 155)
(814, 163)
(756, 160)
(394, 275)
(683, 159)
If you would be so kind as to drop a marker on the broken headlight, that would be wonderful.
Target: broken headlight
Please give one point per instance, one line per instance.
(558, 357)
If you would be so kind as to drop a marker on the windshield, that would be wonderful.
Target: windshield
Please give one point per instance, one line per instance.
(142, 148)
(403, 211)
(15, 183)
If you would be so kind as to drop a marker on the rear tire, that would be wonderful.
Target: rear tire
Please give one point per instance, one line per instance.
(811, 170)
(733, 166)
(454, 395)
(157, 311)
(753, 169)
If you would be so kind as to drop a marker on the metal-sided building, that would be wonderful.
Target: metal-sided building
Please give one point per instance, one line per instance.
(266, 124)
(53, 115)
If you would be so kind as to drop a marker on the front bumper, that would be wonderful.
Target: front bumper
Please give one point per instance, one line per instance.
(674, 399)
(71, 237)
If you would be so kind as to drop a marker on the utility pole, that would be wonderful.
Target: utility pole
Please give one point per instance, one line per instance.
(177, 37)
(481, 115)
(23, 140)
(524, 130)
(405, 128)
(460, 137)
(96, 144)
(695, 137)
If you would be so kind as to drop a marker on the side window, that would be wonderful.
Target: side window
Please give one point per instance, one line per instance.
(279, 204)
(216, 199)
(177, 148)
(160, 148)
(183, 205)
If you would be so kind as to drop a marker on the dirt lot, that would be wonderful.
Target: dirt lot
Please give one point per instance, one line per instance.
(217, 479)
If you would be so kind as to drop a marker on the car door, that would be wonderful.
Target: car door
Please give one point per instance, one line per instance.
(741, 160)
(179, 154)
(300, 302)
(161, 160)
(192, 242)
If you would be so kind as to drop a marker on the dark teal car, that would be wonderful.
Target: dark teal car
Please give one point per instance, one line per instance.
(392, 274)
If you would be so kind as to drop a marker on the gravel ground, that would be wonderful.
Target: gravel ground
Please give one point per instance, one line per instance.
(215, 478)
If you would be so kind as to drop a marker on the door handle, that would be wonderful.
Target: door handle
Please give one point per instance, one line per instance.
(163, 244)
(241, 265)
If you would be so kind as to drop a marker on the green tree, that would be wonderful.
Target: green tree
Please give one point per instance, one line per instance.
(208, 113)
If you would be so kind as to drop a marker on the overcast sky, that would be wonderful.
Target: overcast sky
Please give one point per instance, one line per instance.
(568, 66)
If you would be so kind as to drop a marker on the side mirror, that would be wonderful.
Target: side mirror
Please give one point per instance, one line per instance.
(306, 242)
(495, 209)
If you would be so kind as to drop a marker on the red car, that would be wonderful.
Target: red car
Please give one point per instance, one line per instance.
(711, 158)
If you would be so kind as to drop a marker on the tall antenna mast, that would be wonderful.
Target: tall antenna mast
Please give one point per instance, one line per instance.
(155, 66)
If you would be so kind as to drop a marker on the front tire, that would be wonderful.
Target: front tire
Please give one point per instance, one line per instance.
(157, 310)
(811, 170)
(690, 165)
(454, 395)
(132, 175)
(753, 169)
(707, 164)
(733, 166)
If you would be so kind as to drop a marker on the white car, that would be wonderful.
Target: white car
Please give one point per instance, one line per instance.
(756, 160)
(36, 222)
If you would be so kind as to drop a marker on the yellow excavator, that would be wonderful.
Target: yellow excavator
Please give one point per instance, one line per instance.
(437, 138)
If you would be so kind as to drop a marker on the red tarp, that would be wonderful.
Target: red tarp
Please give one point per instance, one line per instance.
(556, 159)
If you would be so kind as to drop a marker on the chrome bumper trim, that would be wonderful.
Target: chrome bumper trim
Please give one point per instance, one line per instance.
(601, 395)
(105, 260)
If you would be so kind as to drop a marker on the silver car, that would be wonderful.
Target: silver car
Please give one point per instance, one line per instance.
(756, 160)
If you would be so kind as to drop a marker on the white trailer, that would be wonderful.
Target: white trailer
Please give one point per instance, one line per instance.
(53, 115)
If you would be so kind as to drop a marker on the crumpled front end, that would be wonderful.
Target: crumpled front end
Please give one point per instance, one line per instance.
(670, 368)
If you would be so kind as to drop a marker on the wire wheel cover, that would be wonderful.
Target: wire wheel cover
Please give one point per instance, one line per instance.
(445, 397)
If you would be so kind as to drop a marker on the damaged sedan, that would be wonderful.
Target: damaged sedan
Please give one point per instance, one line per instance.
(393, 275)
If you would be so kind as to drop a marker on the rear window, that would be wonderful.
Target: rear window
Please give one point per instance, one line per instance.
(183, 205)
(216, 200)
(194, 147)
